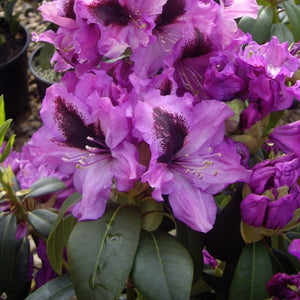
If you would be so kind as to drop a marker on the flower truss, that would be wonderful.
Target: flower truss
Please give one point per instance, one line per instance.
(169, 104)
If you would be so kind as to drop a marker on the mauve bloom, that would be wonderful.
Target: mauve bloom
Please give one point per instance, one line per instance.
(190, 159)
(294, 248)
(275, 193)
(170, 26)
(208, 259)
(274, 57)
(238, 8)
(76, 46)
(123, 23)
(284, 286)
(267, 67)
(295, 49)
(92, 135)
(287, 137)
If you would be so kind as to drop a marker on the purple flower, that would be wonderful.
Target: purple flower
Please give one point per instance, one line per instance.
(239, 8)
(274, 57)
(208, 259)
(287, 137)
(295, 49)
(284, 286)
(170, 26)
(190, 159)
(275, 193)
(76, 46)
(91, 135)
(123, 23)
(294, 248)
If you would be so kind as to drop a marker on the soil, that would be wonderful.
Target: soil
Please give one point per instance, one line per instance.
(13, 43)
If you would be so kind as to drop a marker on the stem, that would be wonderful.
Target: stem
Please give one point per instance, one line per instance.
(274, 7)
(13, 197)
(66, 266)
(284, 236)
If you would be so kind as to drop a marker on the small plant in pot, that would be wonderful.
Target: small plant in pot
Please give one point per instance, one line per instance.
(14, 40)
(42, 69)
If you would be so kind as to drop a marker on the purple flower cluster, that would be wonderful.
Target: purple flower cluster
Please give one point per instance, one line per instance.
(144, 100)
(284, 286)
(275, 193)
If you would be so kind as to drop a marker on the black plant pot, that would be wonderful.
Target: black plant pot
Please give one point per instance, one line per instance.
(42, 83)
(14, 83)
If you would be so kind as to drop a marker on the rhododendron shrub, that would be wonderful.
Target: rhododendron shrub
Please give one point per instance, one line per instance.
(162, 169)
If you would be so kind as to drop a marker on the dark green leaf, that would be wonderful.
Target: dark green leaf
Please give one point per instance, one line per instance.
(281, 262)
(275, 116)
(42, 221)
(193, 242)
(46, 186)
(162, 269)
(45, 55)
(282, 32)
(15, 288)
(253, 272)
(291, 235)
(9, 8)
(8, 227)
(293, 13)
(152, 216)
(262, 26)
(22, 262)
(60, 288)
(101, 252)
(246, 24)
(60, 232)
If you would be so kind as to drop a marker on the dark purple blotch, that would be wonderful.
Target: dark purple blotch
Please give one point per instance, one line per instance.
(171, 10)
(74, 128)
(110, 12)
(200, 45)
(170, 130)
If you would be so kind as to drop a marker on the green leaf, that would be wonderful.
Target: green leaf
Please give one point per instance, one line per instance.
(246, 24)
(282, 32)
(162, 269)
(46, 186)
(42, 221)
(60, 232)
(9, 8)
(286, 243)
(193, 242)
(7, 148)
(101, 252)
(2, 110)
(281, 262)
(8, 227)
(3, 130)
(14, 288)
(253, 272)
(263, 2)
(293, 13)
(262, 26)
(45, 55)
(152, 216)
(59, 288)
